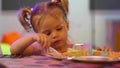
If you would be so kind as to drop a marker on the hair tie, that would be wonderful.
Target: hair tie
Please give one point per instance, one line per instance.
(31, 10)
(56, 1)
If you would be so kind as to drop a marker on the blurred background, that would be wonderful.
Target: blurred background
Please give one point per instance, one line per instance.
(91, 21)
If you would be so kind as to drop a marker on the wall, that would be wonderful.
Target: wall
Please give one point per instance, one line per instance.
(9, 22)
(101, 18)
(80, 21)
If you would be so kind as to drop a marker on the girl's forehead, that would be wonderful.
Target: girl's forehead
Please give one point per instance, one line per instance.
(51, 23)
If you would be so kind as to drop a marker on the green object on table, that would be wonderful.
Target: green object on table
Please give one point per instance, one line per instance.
(5, 48)
(94, 50)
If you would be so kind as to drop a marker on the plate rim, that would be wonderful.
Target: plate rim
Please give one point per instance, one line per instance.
(115, 60)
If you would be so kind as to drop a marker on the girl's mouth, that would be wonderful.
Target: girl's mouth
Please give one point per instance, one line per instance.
(56, 42)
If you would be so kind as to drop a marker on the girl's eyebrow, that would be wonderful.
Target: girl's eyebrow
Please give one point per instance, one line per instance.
(46, 30)
(60, 25)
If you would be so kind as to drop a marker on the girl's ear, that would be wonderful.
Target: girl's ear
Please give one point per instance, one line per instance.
(24, 16)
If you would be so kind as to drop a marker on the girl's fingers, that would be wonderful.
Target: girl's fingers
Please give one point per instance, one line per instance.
(47, 42)
(98, 48)
(43, 40)
(104, 48)
(39, 38)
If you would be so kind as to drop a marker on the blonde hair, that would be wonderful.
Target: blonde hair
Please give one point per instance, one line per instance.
(27, 17)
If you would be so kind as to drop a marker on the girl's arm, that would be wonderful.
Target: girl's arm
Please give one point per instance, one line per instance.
(22, 45)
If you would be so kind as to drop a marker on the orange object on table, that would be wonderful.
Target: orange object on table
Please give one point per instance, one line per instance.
(114, 54)
(97, 53)
(10, 37)
(85, 52)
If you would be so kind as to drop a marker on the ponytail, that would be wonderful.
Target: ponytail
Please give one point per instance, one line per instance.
(65, 4)
(24, 16)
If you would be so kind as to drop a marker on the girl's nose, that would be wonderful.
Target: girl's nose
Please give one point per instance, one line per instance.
(54, 34)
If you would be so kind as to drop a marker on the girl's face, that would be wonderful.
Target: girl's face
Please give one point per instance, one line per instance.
(56, 29)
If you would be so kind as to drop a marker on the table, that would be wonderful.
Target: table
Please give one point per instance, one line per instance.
(47, 62)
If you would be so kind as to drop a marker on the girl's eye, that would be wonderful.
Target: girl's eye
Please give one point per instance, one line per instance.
(47, 33)
(60, 28)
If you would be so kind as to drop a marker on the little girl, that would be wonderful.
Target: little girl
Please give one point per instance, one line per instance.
(50, 24)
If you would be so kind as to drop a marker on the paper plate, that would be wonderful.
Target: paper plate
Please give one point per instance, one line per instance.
(95, 59)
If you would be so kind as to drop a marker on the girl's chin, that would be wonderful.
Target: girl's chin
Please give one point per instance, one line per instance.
(56, 46)
(57, 43)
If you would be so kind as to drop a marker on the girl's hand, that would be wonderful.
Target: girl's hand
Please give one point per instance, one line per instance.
(42, 39)
(104, 48)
